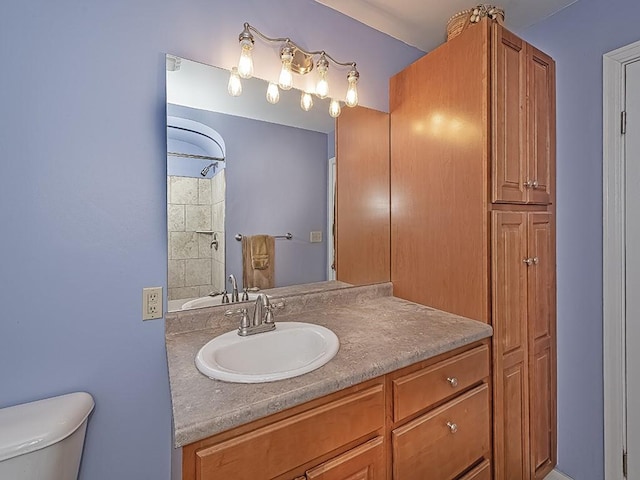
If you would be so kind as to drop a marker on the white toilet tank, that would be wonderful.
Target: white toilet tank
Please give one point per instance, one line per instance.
(43, 440)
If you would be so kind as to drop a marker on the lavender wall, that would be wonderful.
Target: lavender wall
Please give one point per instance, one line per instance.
(276, 183)
(83, 195)
(577, 38)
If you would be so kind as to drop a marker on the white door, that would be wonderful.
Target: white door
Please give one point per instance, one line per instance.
(632, 247)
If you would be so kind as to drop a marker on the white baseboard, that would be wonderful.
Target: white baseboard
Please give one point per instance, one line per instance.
(557, 475)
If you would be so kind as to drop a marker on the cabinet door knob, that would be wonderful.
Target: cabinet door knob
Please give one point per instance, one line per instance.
(528, 261)
(534, 184)
(535, 260)
(528, 184)
(453, 428)
(453, 381)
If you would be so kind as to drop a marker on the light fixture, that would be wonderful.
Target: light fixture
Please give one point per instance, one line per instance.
(286, 75)
(322, 87)
(294, 60)
(245, 64)
(235, 85)
(306, 101)
(273, 94)
(352, 90)
(334, 108)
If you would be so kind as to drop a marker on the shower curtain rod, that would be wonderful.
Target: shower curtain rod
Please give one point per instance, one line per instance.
(199, 157)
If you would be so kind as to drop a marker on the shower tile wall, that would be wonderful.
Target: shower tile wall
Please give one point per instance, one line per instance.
(195, 204)
(218, 195)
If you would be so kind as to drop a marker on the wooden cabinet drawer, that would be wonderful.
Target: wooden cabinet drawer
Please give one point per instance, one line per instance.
(365, 462)
(282, 446)
(421, 389)
(444, 442)
(481, 472)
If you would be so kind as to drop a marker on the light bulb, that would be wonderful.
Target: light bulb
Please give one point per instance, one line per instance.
(235, 85)
(245, 65)
(352, 90)
(334, 108)
(322, 87)
(306, 101)
(286, 75)
(273, 94)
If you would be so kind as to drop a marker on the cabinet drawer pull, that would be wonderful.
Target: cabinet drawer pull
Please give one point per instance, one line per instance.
(453, 428)
(453, 381)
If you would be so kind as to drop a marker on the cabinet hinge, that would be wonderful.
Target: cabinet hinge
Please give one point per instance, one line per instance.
(623, 122)
(624, 464)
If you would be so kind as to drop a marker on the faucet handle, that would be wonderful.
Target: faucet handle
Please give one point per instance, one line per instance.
(245, 295)
(269, 309)
(225, 297)
(244, 319)
(278, 305)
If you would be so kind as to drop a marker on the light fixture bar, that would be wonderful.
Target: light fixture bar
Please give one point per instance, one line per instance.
(294, 59)
(311, 53)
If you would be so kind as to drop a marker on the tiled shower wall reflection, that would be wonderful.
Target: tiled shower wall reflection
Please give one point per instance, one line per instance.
(195, 205)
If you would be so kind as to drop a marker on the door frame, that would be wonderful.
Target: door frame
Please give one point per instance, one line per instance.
(331, 217)
(613, 258)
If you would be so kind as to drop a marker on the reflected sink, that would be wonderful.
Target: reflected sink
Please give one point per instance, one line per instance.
(212, 301)
(292, 349)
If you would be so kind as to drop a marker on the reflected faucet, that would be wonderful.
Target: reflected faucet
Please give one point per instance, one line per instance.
(234, 293)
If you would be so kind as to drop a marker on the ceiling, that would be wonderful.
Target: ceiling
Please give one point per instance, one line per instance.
(423, 23)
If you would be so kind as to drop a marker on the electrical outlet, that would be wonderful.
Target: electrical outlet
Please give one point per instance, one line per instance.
(315, 237)
(151, 303)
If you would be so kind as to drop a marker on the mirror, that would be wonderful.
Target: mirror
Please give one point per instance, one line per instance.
(239, 166)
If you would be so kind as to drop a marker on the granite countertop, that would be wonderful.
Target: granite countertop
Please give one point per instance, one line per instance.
(378, 334)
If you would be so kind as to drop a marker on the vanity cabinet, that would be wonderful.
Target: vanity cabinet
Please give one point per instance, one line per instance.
(429, 420)
(473, 219)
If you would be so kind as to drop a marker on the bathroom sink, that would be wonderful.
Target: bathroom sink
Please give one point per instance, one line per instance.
(292, 349)
(212, 301)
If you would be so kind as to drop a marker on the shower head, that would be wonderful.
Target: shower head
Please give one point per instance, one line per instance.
(206, 169)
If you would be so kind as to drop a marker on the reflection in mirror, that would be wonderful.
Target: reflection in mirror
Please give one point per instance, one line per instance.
(242, 166)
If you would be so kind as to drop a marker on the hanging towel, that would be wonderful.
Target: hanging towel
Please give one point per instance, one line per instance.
(258, 261)
(259, 251)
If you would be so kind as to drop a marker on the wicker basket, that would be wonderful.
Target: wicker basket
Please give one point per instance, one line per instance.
(462, 20)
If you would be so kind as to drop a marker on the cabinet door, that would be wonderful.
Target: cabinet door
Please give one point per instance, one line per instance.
(541, 125)
(509, 119)
(510, 346)
(541, 285)
(365, 462)
(282, 446)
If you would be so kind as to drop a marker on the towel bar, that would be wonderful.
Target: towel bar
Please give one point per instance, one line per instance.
(288, 236)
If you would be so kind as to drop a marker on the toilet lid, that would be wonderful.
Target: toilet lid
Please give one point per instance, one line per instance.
(31, 426)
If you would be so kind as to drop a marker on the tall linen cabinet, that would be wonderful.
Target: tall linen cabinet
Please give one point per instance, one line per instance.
(473, 219)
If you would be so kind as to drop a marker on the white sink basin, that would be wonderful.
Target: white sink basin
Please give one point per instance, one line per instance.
(212, 301)
(292, 349)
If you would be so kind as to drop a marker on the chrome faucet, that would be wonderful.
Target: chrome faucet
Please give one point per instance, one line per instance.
(234, 293)
(262, 320)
